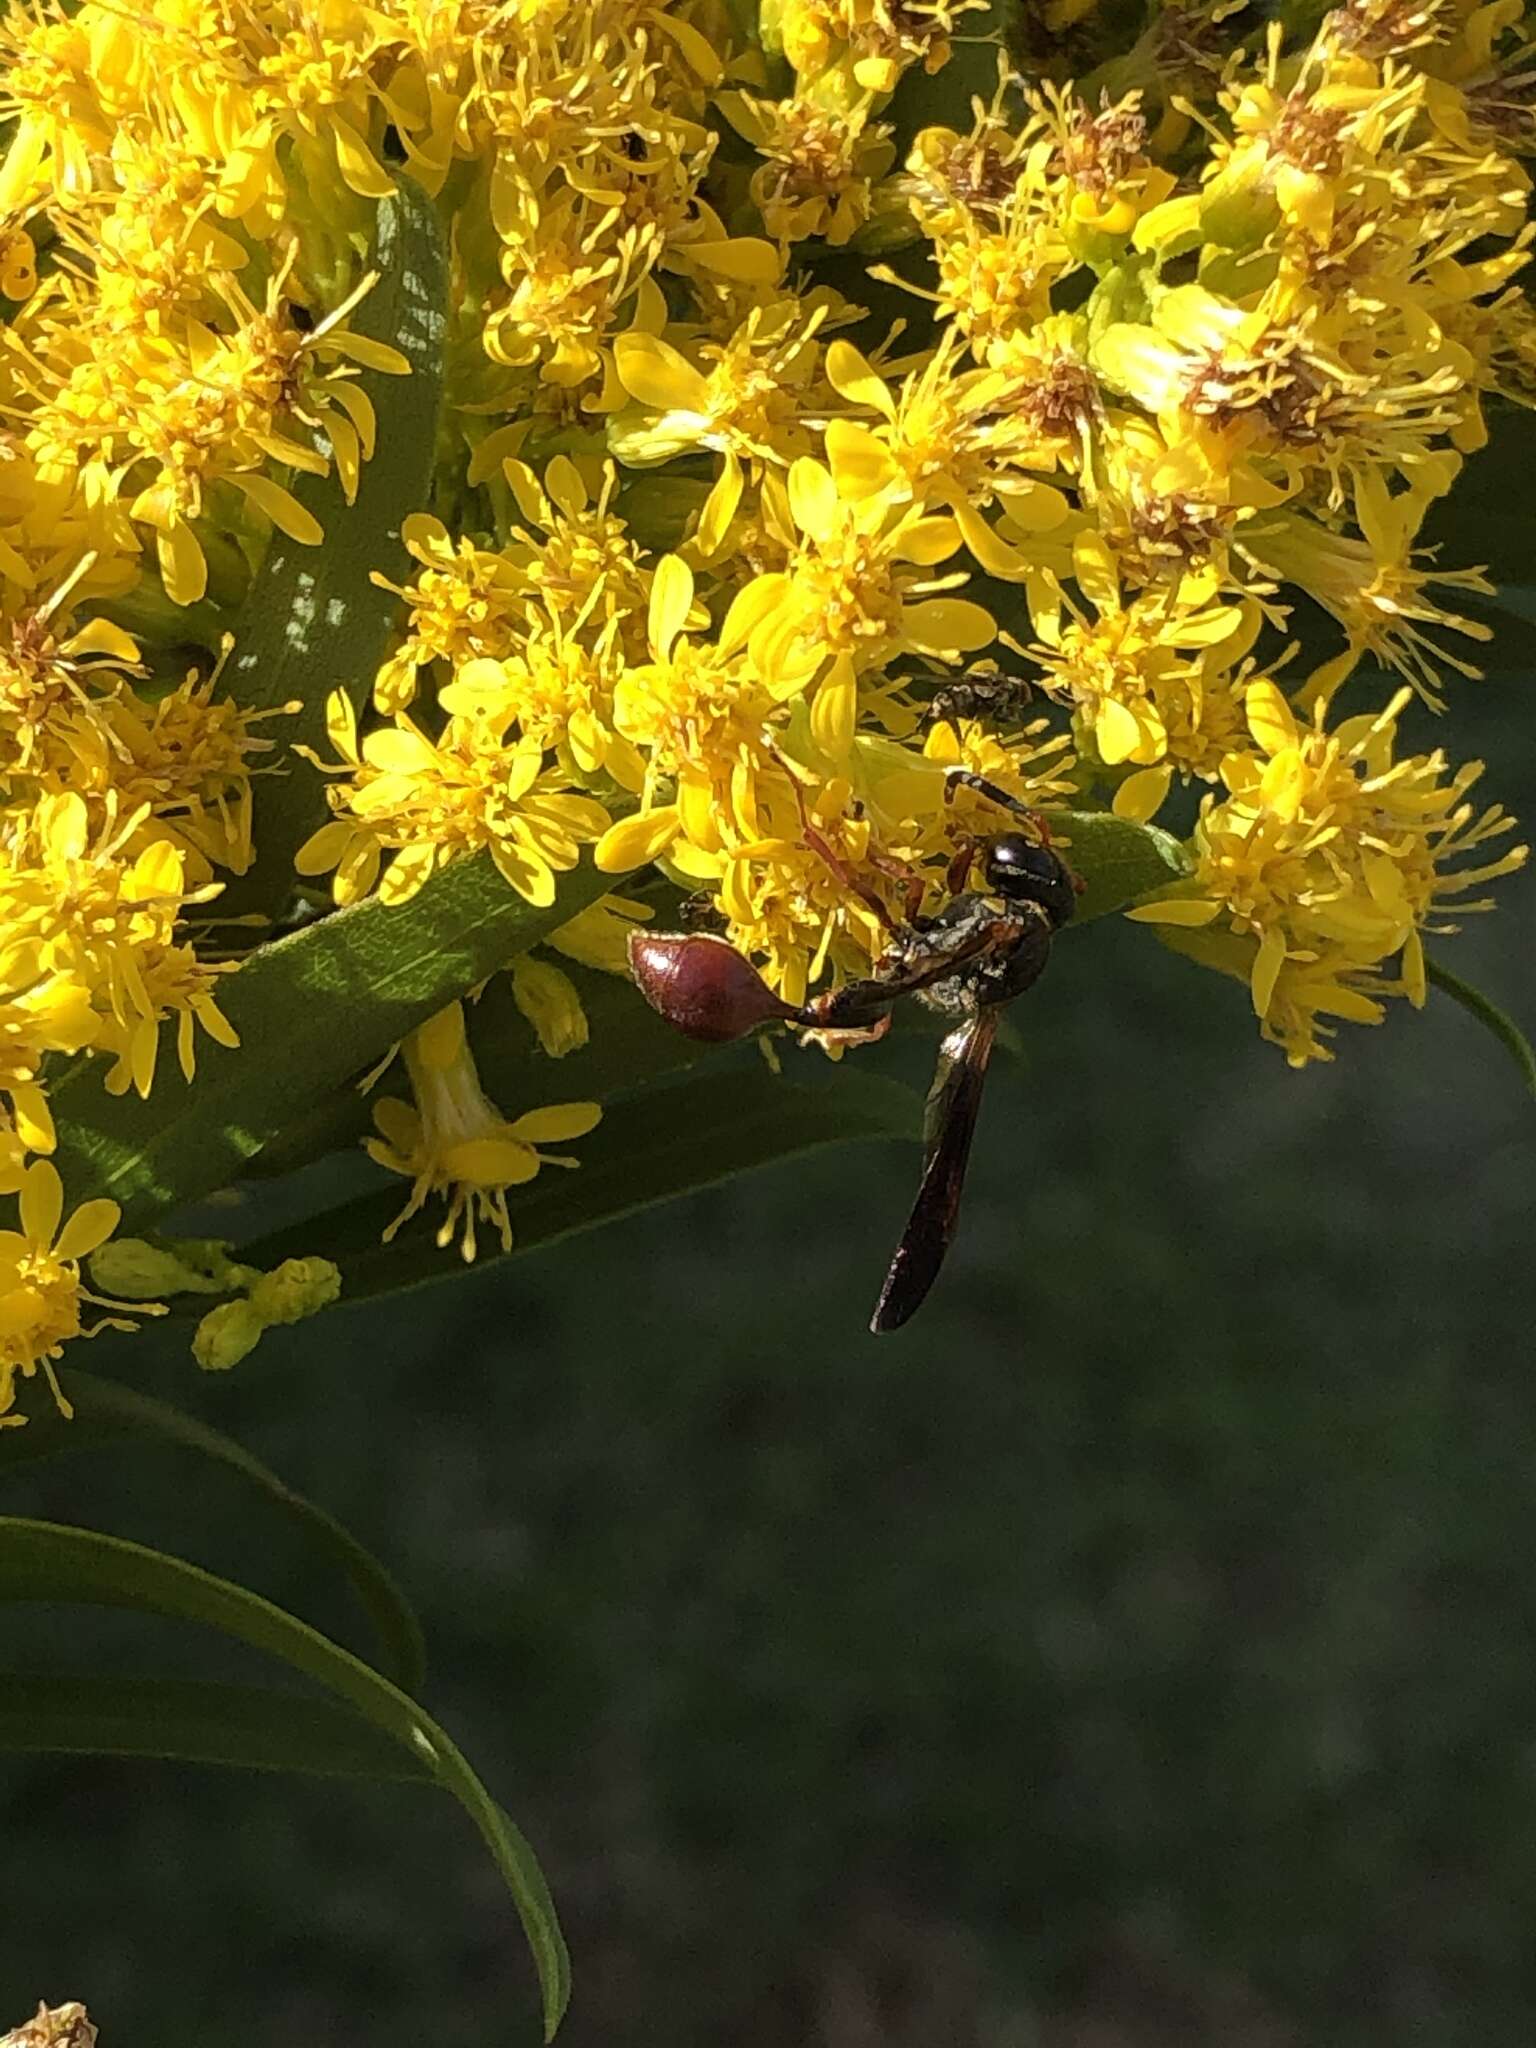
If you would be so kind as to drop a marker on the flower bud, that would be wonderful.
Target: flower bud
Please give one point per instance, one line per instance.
(295, 1289)
(227, 1334)
(132, 1269)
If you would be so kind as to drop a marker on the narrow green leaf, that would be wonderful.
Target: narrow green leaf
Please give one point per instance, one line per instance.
(190, 1721)
(314, 620)
(106, 1411)
(47, 1561)
(1120, 861)
(665, 1142)
(312, 1010)
(1490, 1016)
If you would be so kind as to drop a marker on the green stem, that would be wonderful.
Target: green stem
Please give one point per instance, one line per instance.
(1504, 1028)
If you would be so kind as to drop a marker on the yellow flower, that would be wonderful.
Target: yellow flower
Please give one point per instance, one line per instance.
(745, 399)
(428, 802)
(958, 440)
(1263, 386)
(52, 1016)
(43, 675)
(1374, 586)
(820, 163)
(182, 762)
(40, 1290)
(464, 604)
(456, 1145)
(73, 905)
(1150, 677)
(1328, 853)
(853, 585)
(875, 39)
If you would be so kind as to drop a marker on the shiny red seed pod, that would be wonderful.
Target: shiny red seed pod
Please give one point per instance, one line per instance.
(703, 986)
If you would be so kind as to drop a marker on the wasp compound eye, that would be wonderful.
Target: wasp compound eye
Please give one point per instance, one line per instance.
(703, 986)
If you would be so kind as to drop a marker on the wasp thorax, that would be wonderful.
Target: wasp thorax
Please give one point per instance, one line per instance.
(702, 985)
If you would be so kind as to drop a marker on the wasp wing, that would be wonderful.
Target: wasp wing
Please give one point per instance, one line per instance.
(949, 1119)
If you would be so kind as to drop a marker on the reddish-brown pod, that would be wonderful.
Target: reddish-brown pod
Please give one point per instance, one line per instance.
(703, 986)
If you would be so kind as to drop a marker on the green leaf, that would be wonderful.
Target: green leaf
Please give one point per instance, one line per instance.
(312, 1010)
(105, 1412)
(1121, 862)
(313, 619)
(1490, 1016)
(183, 1720)
(47, 1561)
(665, 1142)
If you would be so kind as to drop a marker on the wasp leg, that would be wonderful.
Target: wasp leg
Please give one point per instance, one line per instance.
(959, 869)
(966, 778)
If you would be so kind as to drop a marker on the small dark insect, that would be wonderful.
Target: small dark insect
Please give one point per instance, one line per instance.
(985, 947)
(982, 692)
(698, 913)
(632, 142)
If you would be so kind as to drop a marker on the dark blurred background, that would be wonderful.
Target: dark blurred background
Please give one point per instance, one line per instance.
(1136, 1651)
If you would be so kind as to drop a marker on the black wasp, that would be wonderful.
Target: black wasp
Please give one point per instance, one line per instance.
(984, 947)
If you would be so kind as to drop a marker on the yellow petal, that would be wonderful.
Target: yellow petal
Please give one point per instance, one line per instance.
(948, 625)
(861, 464)
(42, 1202)
(360, 169)
(813, 498)
(322, 848)
(1266, 970)
(91, 1225)
(835, 709)
(652, 371)
(852, 377)
(671, 601)
(100, 636)
(491, 1162)
(282, 508)
(695, 50)
(341, 724)
(183, 570)
(531, 877)
(1120, 736)
(409, 871)
(631, 842)
(744, 259)
(1141, 795)
(1184, 910)
(1415, 979)
(398, 752)
(927, 541)
(720, 507)
(752, 604)
(992, 554)
(34, 1119)
(1093, 566)
(557, 1124)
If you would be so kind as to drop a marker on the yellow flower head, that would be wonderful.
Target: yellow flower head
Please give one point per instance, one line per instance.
(820, 164)
(456, 1145)
(40, 1291)
(427, 802)
(1150, 677)
(1329, 851)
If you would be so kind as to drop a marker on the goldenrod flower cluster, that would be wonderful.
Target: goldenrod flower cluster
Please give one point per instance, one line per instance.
(773, 407)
